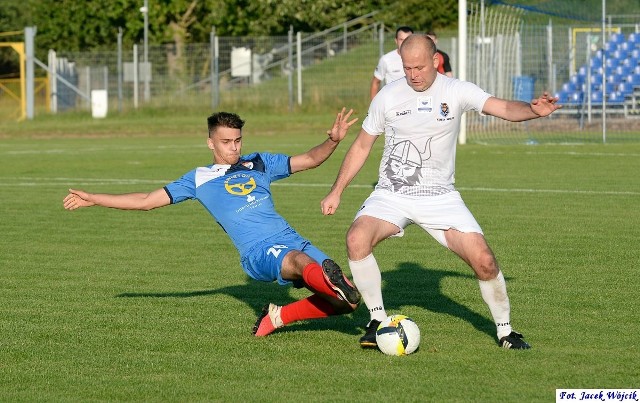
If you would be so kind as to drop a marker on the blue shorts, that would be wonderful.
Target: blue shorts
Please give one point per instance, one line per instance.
(263, 262)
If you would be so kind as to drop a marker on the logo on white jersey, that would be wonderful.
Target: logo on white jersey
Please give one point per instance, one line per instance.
(444, 109)
(424, 104)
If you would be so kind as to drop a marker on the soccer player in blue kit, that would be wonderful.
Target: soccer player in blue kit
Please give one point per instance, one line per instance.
(236, 191)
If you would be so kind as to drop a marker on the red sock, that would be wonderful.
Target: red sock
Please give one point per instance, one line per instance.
(313, 276)
(313, 307)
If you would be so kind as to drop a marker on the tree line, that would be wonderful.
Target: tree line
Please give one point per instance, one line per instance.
(81, 25)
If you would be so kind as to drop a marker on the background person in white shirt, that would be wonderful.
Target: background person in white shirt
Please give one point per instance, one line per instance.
(389, 66)
(420, 119)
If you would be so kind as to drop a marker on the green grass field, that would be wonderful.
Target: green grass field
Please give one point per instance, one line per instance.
(107, 305)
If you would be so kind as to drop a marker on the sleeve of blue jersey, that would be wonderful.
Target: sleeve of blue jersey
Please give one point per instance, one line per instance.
(277, 166)
(182, 189)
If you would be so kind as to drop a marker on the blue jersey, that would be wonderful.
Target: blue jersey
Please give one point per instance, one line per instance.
(238, 196)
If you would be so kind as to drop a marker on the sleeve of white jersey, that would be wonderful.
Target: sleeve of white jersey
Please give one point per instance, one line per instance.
(380, 70)
(374, 122)
(472, 97)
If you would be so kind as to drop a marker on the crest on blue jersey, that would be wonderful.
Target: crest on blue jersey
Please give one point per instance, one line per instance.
(240, 185)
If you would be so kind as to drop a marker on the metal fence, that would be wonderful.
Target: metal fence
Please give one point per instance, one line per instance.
(261, 72)
(510, 54)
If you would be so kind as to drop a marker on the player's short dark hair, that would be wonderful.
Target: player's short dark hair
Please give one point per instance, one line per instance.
(405, 29)
(224, 119)
(432, 33)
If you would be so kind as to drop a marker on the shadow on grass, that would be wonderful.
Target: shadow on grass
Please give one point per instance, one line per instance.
(413, 285)
(409, 284)
(256, 295)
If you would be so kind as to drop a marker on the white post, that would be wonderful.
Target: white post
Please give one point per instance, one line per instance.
(299, 67)
(604, 106)
(29, 34)
(87, 73)
(135, 76)
(462, 60)
(213, 55)
(53, 80)
(550, 82)
(381, 39)
(119, 69)
(589, 77)
(145, 12)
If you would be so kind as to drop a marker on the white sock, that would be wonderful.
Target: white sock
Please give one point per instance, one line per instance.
(368, 280)
(494, 293)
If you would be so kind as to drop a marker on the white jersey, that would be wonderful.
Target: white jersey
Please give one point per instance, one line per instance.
(421, 131)
(389, 67)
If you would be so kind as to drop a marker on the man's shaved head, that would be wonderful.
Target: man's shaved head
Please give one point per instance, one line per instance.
(420, 43)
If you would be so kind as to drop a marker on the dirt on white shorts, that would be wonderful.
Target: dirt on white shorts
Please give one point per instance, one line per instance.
(434, 214)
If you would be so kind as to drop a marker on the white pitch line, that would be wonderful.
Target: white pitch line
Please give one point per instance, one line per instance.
(79, 182)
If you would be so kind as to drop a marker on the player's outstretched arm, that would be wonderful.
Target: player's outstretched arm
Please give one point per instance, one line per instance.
(518, 111)
(351, 165)
(130, 201)
(319, 154)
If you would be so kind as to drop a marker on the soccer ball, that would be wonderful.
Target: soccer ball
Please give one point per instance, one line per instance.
(398, 335)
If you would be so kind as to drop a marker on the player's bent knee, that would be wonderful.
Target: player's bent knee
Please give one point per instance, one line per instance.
(486, 268)
(358, 243)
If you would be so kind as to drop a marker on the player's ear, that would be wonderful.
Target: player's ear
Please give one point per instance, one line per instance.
(210, 144)
(436, 61)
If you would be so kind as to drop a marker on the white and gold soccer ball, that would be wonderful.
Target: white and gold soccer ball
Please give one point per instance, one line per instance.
(398, 335)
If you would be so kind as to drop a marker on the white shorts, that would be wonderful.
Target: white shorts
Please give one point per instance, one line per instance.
(434, 214)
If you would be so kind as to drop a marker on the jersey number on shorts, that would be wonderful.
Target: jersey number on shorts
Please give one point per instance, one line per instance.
(275, 250)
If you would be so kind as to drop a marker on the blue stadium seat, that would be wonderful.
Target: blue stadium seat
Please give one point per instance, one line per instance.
(623, 70)
(636, 70)
(563, 96)
(625, 88)
(635, 53)
(617, 38)
(615, 78)
(577, 80)
(615, 98)
(575, 98)
(630, 61)
(634, 38)
(596, 85)
(611, 63)
(596, 79)
(582, 71)
(633, 80)
(619, 55)
(610, 87)
(596, 97)
(610, 46)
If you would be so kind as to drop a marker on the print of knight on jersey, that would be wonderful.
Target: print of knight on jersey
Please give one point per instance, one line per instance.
(404, 163)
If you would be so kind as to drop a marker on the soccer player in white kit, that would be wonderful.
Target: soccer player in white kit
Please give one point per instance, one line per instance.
(420, 119)
(389, 66)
